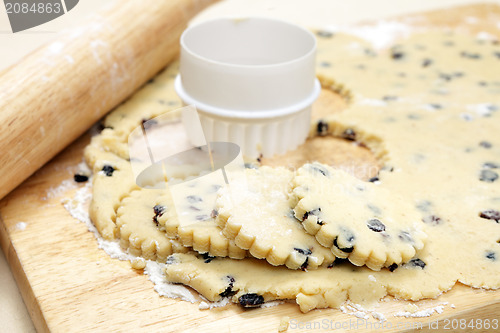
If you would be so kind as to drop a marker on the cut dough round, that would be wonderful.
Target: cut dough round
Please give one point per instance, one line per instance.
(257, 214)
(193, 220)
(137, 230)
(356, 220)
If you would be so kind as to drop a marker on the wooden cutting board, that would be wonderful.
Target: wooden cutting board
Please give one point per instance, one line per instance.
(69, 285)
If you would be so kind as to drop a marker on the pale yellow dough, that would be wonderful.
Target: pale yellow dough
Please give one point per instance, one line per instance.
(260, 282)
(256, 212)
(437, 132)
(197, 228)
(427, 108)
(319, 288)
(358, 220)
(138, 232)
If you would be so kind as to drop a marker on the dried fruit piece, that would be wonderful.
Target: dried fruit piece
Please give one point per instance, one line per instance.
(491, 256)
(396, 54)
(250, 300)
(488, 176)
(159, 211)
(427, 62)
(322, 128)
(376, 225)
(108, 170)
(470, 55)
(485, 144)
(432, 220)
(343, 249)
(389, 98)
(349, 134)
(417, 263)
(79, 178)
(325, 34)
(207, 258)
(491, 165)
(194, 199)
(393, 267)
(490, 214)
(229, 290)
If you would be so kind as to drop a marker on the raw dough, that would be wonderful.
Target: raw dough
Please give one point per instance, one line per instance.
(358, 220)
(197, 227)
(427, 108)
(251, 282)
(137, 230)
(257, 214)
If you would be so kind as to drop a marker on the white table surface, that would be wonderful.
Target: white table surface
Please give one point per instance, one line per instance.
(310, 13)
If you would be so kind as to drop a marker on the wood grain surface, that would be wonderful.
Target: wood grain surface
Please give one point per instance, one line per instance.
(69, 285)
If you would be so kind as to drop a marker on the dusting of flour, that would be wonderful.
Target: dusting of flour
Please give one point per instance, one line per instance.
(78, 206)
(21, 226)
(423, 313)
(356, 310)
(65, 186)
(381, 34)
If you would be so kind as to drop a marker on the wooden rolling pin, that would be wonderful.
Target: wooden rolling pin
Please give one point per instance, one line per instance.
(57, 92)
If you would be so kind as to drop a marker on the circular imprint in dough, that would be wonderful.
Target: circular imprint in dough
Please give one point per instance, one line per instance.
(342, 149)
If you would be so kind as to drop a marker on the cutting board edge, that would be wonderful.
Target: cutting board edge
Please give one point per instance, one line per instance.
(25, 289)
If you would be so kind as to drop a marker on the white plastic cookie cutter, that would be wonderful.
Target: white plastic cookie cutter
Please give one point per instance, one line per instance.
(170, 152)
(252, 81)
